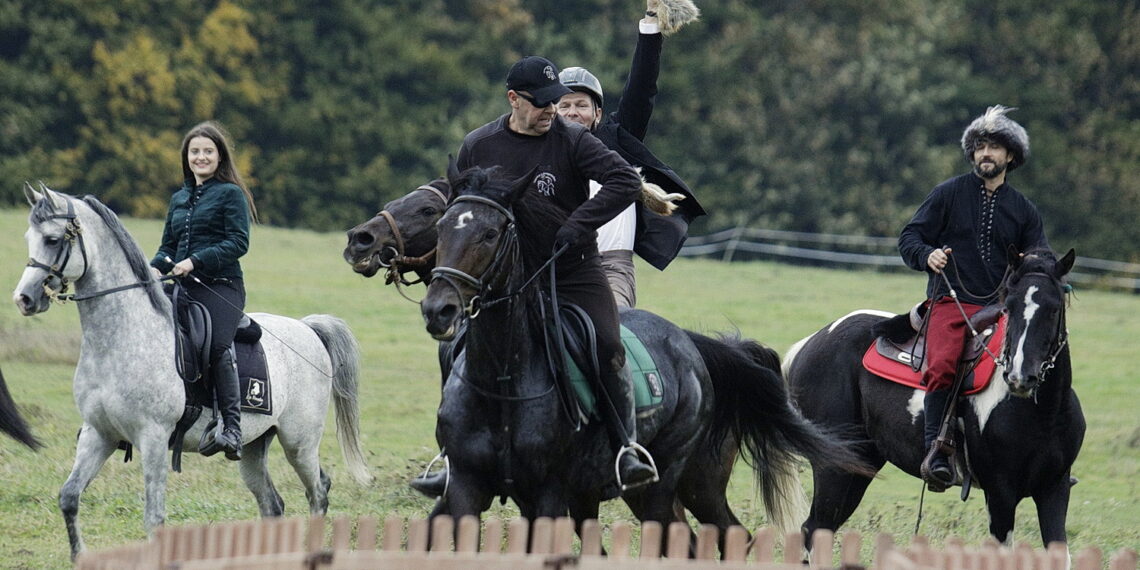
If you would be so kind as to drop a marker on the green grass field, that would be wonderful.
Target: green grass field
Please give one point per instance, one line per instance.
(296, 273)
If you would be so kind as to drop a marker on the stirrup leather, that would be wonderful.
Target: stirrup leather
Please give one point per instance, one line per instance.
(638, 450)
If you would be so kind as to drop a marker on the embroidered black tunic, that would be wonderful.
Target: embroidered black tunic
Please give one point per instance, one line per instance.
(979, 227)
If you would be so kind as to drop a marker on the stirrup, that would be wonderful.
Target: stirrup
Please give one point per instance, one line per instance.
(446, 461)
(638, 450)
(934, 484)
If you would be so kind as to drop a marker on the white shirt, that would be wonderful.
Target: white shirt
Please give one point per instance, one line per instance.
(617, 233)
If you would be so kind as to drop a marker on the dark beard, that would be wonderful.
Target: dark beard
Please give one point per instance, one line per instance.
(998, 169)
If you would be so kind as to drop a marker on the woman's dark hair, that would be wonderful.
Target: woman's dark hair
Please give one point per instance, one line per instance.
(226, 172)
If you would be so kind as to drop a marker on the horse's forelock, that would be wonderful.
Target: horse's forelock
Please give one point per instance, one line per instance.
(43, 209)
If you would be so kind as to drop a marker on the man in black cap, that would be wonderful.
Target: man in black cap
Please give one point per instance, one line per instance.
(567, 157)
(975, 217)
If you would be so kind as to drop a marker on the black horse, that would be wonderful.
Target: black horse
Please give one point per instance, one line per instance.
(11, 422)
(1019, 436)
(503, 417)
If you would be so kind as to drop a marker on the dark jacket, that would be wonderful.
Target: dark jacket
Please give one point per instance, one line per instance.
(658, 238)
(567, 158)
(210, 225)
(979, 230)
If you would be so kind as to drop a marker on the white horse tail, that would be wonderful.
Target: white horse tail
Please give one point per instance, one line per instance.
(345, 355)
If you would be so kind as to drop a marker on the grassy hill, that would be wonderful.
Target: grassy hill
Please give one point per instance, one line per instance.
(296, 273)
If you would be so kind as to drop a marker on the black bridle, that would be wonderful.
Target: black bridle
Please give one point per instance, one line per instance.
(72, 235)
(506, 251)
(1060, 335)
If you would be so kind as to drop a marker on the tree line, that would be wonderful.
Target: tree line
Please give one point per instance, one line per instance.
(832, 116)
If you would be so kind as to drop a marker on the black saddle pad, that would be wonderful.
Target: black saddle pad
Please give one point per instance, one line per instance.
(253, 377)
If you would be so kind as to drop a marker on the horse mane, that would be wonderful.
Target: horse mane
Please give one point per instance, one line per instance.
(139, 265)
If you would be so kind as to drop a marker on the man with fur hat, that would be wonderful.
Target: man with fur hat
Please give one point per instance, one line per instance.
(964, 229)
(656, 236)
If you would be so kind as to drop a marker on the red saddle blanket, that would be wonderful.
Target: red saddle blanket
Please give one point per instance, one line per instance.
(902, 373)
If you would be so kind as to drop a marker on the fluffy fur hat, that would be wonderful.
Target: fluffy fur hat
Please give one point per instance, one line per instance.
(672, 14)
(995, 126)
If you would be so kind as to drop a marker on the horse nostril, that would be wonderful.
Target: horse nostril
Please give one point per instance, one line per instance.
(361, 239)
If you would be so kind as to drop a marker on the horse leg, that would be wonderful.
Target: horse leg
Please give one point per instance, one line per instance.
(255, 474)
(306, 464)
(91, 452)
(1001, 503)
(835, 496)
(1052, 509)
(153, 444)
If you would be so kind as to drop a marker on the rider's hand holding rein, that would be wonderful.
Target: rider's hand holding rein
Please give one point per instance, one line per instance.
(183, 268)
(938, 259)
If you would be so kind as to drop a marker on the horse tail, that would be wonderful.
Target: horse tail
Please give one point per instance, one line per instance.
(344, 352)
(11, 422)
(752, 404)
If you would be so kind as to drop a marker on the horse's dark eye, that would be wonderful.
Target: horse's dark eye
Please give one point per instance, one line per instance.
(429, 212)
(490, 234)
(51, 241)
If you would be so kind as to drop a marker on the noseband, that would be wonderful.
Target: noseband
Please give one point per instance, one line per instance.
(506, 248)
(400, 262)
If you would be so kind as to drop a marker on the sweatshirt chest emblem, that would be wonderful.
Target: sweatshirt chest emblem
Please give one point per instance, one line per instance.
(545, 183)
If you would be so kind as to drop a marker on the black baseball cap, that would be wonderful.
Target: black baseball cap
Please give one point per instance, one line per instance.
(538, 77)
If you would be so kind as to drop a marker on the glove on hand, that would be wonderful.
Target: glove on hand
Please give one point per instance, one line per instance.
(566, 236)
(672, 14)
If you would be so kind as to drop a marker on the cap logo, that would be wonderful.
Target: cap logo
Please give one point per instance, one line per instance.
(548, 71)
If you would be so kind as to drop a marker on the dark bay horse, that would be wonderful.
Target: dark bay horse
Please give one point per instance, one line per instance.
(401, 237)
(11, 422)
(503, 418)
(1019, 436)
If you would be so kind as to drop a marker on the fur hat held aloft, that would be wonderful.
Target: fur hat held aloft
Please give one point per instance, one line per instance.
(672, 14)
(995, 126)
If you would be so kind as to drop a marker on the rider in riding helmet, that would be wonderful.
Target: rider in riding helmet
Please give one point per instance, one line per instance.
(206, 231)
(655, 237)
(961, 234)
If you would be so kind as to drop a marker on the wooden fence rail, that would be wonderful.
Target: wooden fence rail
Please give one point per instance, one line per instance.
(549, 544)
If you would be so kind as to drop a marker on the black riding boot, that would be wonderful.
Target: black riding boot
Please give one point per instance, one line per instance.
(632, 470)
(936, 469)
(225, 378)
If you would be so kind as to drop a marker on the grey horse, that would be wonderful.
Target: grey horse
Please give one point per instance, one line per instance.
(126, 384)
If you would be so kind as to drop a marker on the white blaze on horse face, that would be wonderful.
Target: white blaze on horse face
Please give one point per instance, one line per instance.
(463, 219)
(1018, 356)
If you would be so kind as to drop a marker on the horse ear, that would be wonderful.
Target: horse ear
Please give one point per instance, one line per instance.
(522, 183)
(452, 171)
(31, 195)
(1066, 263)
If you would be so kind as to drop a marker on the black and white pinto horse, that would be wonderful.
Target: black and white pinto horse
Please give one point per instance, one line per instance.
(11, 422)
(127, 386)
(1019, 436)
(503, 417)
